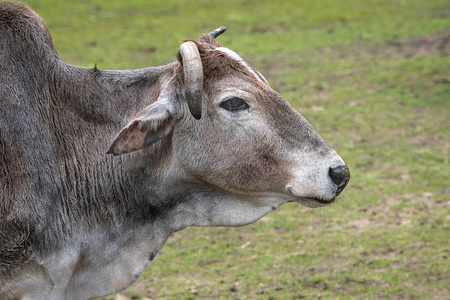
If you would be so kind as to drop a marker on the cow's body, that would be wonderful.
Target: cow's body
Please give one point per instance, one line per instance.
(76, 223)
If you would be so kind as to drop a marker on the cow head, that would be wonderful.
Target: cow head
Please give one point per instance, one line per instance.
(231, 131)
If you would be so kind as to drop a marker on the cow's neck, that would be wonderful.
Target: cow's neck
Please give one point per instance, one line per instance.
(91, 107)
(107, 214)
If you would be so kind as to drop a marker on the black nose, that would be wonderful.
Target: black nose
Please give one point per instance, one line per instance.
(340, 177)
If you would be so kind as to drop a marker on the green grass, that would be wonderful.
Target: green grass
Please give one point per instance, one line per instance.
(372, 77)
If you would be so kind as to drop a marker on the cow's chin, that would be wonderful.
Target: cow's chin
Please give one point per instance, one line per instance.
(313, 202)
(307, 200)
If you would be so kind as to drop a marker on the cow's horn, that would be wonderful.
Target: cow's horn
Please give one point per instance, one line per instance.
(216, 32)
(193, 77)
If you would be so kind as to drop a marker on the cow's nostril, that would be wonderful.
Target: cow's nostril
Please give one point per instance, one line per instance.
(340, 176)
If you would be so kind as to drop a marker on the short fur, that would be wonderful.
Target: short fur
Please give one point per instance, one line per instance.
(76, 223)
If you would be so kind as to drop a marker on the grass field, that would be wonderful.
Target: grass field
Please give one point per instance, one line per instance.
(372, 76)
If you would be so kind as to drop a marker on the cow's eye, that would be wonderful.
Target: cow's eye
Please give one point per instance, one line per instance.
(234, 104)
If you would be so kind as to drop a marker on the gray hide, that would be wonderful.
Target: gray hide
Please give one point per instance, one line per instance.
(76, 223)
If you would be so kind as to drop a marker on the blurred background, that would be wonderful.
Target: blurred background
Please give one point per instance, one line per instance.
(373, 77)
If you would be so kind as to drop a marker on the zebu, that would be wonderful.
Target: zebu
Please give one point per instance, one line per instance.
(206, 142)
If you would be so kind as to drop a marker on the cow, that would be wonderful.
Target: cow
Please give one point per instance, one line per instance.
(99, 167)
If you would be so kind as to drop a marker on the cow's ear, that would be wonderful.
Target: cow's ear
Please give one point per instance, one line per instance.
(147, 127)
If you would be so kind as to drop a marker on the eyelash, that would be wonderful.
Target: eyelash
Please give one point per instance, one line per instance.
(234, 104)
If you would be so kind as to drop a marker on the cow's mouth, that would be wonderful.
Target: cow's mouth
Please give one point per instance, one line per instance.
(314, 202)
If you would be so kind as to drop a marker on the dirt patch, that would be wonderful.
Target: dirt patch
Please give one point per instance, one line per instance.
(422, 140)
(359, 225)
(423, 45)
(437, 44)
